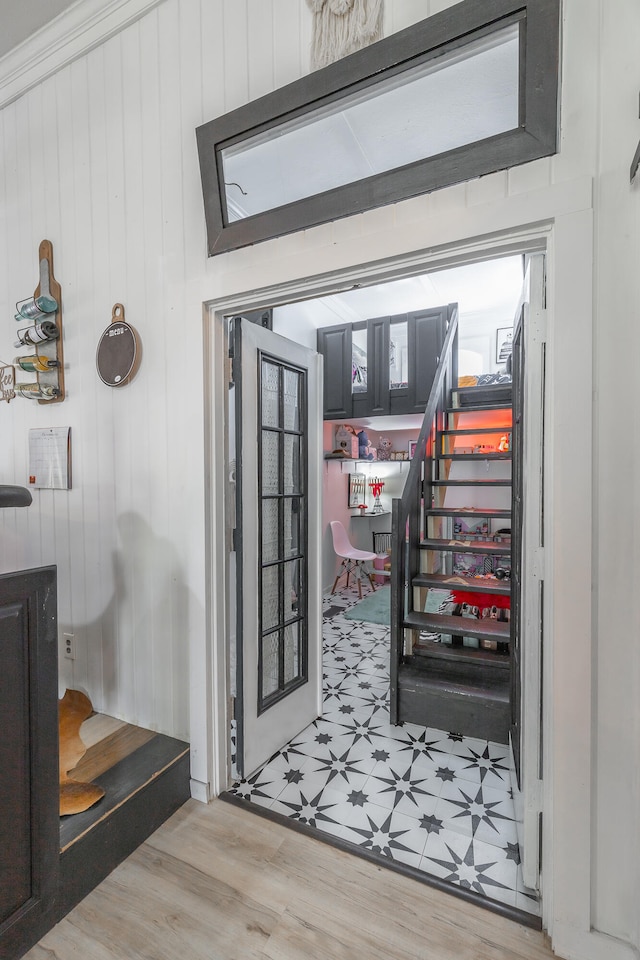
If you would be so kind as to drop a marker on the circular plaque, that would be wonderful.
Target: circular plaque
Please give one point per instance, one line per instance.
(118, 352)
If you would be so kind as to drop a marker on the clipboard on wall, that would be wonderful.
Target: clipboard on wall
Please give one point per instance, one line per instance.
(50, 458)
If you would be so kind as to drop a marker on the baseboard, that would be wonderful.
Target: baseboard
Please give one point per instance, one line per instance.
(574, 944)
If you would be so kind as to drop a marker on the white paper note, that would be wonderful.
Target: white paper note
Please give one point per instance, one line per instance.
(50, 458)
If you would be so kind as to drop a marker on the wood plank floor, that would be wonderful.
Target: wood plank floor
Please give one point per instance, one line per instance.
(218, 883)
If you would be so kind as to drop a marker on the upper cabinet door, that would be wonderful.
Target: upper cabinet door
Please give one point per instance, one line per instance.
(374, 402)
(381, 367)
(334, 344)
(427, 330)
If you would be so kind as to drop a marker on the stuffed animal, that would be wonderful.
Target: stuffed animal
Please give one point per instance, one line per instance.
(364, 448)
(384, 450)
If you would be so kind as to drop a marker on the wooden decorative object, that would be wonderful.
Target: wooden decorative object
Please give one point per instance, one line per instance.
(119, 352)
(52, 349)
(75, 796)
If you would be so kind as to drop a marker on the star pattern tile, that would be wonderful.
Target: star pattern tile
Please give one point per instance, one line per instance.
(432, 799)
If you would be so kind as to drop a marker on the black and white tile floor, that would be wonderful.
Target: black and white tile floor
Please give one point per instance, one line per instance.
(434, 800)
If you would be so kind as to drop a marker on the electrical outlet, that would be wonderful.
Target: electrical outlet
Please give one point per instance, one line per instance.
(69, 646)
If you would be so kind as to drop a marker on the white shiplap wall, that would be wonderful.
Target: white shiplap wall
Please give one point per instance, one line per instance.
(100, 158)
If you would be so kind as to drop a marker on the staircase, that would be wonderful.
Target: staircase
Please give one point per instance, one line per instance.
(450, 669)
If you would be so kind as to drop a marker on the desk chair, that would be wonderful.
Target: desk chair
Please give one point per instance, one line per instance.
(352, 560)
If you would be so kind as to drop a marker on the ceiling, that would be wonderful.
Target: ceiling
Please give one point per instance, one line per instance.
(20, 18)
(487, 289)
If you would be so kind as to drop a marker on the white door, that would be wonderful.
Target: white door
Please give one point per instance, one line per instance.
(528, 365)
(277, 541)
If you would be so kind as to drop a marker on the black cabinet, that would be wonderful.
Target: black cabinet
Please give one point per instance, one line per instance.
(383, 366)
(334, 343)
(29, 805)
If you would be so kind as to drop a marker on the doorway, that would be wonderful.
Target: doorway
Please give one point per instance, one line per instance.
(354, 655)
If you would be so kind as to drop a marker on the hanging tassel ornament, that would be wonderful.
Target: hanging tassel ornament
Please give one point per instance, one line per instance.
(341, 27)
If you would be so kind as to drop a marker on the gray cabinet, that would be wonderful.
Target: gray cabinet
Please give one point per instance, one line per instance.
(334, 343)
(29, 792)
(383, 366)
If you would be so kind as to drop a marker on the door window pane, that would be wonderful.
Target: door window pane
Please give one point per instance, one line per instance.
(359, 360)
(291, 651)
(270, 394)
(270, 531)
(292, 597)
(270, 663)
(270, 598)
(292, 526)
(270, 463)
(292, 400)
(292, 476)
(398, 355)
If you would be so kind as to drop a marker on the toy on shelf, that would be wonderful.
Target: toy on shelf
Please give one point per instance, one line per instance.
(365, 450)
(384, 450)
(377, 486)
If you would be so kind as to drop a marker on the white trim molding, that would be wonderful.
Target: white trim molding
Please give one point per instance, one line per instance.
(577, 944)
(77, 30)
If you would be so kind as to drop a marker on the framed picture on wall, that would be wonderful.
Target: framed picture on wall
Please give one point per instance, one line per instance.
(412, 448)
(504, 337)
(357, 489)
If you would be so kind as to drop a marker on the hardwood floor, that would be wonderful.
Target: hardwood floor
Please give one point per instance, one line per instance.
(219, 883)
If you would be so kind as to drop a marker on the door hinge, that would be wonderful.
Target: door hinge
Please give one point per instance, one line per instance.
(229, 370)
(534, 800)
(537, 563)
(234, 540)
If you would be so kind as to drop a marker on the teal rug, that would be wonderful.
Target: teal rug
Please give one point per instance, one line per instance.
(374, 608)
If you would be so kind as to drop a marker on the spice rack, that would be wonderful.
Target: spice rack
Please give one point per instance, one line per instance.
(50, 350)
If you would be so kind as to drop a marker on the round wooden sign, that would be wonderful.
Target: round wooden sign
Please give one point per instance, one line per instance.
(118, 353)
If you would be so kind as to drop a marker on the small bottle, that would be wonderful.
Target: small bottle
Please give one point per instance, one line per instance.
(31, 336)
(35, 363)
(36, 307)
(37, 391)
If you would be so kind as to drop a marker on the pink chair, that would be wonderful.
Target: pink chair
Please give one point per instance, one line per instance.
(352, 560)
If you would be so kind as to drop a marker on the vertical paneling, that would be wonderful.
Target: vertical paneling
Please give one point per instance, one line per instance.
(101, 159)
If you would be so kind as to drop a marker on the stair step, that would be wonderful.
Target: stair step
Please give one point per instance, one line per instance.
(470, 431)
(490, 392)
(479, 408)
(467, 511)
(492, 455)
(452, 685)
(464, 663)
(470, 483)
(431, 693)
(442, 581)
(459, 626)
(491, 548)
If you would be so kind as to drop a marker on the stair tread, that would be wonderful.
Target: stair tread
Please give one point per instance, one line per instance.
(495, 689)
(479, 408)
(470, 431)
(490, 547)
(459, 626)
(471, 483)
(445, 652)
(491, 455)
(466, 511)
(441, 581)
